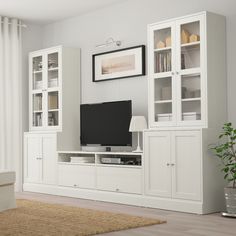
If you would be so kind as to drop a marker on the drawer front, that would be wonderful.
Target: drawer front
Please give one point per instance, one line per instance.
(124, 180)
(76, 176)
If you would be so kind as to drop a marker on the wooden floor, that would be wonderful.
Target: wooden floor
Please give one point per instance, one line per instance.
(178, 224)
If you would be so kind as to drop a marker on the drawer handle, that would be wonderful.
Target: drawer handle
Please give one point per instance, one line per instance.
(117, 190)
(75, 185)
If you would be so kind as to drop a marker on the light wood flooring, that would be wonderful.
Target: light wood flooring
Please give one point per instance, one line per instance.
(178, 224)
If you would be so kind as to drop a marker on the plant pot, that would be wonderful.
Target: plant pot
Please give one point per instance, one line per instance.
(230, 199)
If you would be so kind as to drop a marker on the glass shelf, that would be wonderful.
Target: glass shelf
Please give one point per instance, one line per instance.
(190, 45)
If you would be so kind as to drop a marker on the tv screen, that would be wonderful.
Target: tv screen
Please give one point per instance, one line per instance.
(106, 123)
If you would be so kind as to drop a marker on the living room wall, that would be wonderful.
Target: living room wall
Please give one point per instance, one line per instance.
(127, 21)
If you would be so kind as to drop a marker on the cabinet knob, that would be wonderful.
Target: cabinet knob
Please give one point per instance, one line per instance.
(117, 190)
(177, 72)
(172, 164)
(167, 164)
(75, 185)
(172, 73)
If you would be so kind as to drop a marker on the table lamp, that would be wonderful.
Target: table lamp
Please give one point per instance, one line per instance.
(138, 124)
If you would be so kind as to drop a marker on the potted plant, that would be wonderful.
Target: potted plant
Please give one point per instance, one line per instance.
(226, 151)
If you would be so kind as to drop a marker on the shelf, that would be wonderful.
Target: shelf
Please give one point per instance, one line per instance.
(162, 49)
(53, 69)
(190, 99)
(191, 71)
(37, 91)
(53, 89)
(37, 71)
(190, 44)
(78, 164)
(53, 110)
(119, 166)
(39, 111)
(163, 101)
(162, 74)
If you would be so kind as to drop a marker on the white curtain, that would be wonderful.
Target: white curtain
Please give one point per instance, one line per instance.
(10, 96)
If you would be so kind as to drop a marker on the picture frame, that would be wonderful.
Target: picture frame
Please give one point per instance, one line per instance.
(119, 64)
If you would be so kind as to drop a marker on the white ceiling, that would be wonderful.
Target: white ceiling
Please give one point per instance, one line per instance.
(47, 11)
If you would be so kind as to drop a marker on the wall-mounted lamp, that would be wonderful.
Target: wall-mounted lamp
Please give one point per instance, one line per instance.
(108, 42)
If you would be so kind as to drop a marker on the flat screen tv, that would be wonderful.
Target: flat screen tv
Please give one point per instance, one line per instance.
(106, 124)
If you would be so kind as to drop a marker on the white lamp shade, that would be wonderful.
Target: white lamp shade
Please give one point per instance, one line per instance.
(137, 124)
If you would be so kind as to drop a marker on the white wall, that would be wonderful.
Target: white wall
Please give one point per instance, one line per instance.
(128, 21)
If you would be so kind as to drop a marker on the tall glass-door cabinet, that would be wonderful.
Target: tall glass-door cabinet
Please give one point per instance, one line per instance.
(177, 85)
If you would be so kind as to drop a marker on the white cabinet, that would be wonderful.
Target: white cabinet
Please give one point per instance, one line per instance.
(181, 76)
(53, 75)
(40, 158)
(173, 164)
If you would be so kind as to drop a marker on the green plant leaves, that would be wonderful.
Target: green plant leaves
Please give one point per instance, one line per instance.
(226, 151)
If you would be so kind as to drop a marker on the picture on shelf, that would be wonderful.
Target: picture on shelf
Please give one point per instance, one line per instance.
(123, 63)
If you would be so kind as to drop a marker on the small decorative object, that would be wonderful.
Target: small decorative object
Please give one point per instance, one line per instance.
(122, 63)
(226, 151)
(168, 41)
(138, 124)
(161, 44)
(194, 38)
(184, 36)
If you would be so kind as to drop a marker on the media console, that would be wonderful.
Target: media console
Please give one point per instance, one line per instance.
(107, 171)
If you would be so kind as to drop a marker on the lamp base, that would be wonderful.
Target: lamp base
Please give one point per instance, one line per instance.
(138, 150)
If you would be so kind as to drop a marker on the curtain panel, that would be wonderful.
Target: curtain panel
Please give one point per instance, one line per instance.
(10, 96)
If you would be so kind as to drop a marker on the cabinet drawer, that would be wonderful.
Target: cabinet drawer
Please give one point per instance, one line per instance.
(76, 176)
(118, 179)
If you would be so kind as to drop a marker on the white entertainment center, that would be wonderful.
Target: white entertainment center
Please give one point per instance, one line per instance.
(187, 107)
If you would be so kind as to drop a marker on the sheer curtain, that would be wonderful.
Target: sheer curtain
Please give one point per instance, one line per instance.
(10, 96)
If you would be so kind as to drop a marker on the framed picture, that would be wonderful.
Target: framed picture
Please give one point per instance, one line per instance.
(118, 64)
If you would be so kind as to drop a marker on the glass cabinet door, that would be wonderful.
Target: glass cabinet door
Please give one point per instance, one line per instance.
(52, 64)
(189, 70)
(37, 73)
(45, 90)
(53, 89)
(163, 41)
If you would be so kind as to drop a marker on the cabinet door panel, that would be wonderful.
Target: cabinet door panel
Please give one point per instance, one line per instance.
(126, 180)
(157, 154)
(186, 157)
(49, 159)
(76, 176)
(33, 162)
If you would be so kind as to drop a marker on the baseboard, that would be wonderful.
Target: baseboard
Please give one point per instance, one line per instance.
(114, 197)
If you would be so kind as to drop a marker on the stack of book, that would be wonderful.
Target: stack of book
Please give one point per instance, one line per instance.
(37, 103)
(37, 119)
(163, 62)
(78, 160)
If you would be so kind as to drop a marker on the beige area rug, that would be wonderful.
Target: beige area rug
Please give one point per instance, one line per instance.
(33, 218)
